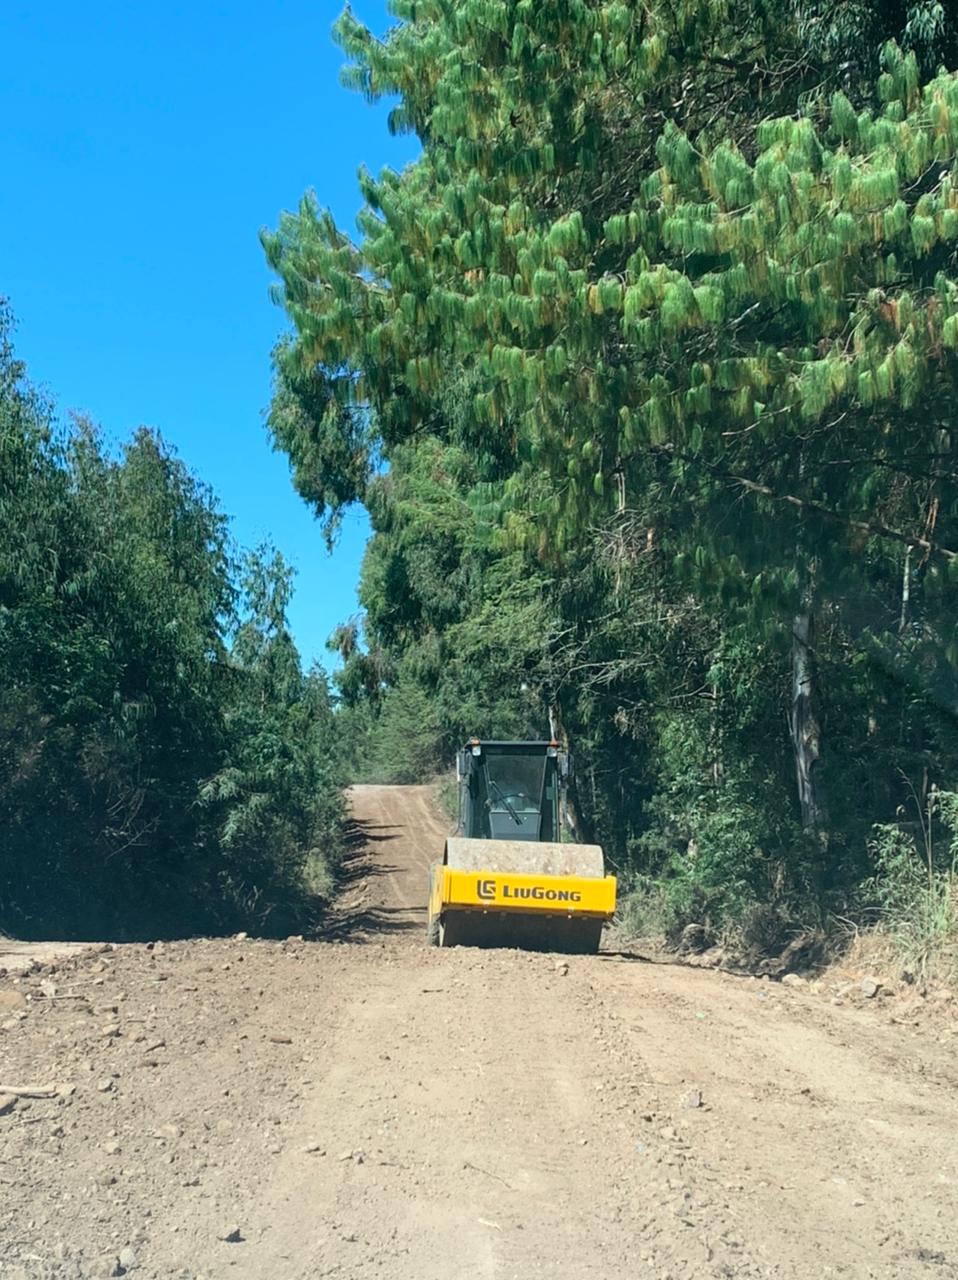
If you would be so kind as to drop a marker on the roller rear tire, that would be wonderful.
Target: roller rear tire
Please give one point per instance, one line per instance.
(450, 930)
(530, 933)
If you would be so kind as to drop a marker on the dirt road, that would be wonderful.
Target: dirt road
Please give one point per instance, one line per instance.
(365, 1106)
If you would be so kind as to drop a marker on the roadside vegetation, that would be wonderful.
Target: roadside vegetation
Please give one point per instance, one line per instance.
(645, 371)
(165, 765)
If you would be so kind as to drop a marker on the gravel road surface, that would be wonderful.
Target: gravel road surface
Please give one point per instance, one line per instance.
(366, 1106)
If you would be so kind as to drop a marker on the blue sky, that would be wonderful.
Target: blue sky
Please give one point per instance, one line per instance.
(144, 146)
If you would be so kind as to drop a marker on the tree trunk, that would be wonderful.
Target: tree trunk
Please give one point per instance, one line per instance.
(805, 725)
(570, 809)
(715, 741)
(905, 592)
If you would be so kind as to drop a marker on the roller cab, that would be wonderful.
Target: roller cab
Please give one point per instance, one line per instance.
(506, 879)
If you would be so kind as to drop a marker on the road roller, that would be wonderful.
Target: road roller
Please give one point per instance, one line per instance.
(507, 878)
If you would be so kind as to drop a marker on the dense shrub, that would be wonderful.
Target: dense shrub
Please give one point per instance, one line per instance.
(165, 766)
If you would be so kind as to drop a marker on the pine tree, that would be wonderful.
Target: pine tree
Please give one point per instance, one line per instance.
(685, 272)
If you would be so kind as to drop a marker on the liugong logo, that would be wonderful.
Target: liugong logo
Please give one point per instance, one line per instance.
(486, 892)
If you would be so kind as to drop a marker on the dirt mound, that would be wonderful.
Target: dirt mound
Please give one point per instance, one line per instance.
(366, 1106)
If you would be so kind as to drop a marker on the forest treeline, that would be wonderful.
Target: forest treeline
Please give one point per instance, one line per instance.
(645, 371)
(165, 765)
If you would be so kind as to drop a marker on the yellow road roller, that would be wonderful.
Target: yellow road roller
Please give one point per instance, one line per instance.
(506, 878)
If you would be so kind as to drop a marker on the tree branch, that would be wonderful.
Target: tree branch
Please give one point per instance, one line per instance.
(874, 527)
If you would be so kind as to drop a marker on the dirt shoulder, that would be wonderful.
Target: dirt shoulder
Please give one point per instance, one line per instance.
(367, 1106)
(18, 958)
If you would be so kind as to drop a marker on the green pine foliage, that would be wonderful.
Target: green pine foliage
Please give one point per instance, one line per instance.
(658, 339)
(755, 280)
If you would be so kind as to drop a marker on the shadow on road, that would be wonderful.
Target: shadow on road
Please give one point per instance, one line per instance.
(619, 954)
(353, 918)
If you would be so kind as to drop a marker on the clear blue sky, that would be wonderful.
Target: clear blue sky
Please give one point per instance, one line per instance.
(143, 148)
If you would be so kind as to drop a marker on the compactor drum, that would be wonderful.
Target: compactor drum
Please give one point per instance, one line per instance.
(506, 879)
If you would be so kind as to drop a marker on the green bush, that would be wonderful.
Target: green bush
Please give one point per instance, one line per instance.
(447, 794)
(914, 889)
